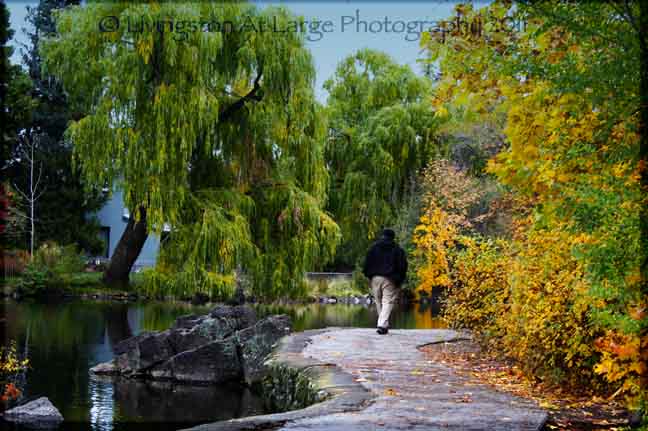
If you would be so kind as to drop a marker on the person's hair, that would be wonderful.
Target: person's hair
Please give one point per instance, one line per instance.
(388, 233)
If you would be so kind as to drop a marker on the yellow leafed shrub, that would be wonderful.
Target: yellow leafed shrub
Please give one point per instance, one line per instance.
(480, 287)
(432, 239)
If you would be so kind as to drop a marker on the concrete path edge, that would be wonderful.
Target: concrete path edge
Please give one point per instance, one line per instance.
(343, 393)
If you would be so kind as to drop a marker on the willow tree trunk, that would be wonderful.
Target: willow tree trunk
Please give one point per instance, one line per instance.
(117, 326)
(127, 250)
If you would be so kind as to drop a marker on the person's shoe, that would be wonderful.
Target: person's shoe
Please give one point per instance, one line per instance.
(382, 331)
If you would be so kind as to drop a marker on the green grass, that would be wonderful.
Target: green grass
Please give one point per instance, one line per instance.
(84, 279)
(335, 287)
(78, 283)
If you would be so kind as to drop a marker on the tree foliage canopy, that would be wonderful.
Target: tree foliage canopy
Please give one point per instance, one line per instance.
(216, 133)
(382, 132)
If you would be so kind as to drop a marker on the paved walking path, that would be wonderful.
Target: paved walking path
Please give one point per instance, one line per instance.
(385, 382)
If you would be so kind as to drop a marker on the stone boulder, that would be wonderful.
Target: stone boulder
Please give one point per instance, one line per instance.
(226, 344)
(214, 362)
(39, 413)
(256, 342)
(139, 353)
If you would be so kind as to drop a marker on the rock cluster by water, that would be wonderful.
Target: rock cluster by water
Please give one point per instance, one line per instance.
(228, 344)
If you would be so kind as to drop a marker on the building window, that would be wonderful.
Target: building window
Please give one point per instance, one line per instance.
(104, 234)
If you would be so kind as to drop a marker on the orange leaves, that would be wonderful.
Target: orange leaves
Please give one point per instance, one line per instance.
(477, 367)
(624, 359)
(391, 392)
(10, 366)
(625, 351)
(466, 398)
(620, 345)
(638, 313)
(11, 392)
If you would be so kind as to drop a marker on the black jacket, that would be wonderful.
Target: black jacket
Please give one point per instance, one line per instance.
(386, 258)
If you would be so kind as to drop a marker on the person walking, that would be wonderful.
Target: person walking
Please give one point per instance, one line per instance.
(386, 268)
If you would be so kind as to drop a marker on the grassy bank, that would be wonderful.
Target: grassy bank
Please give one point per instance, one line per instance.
(89, 283)
(78, 283)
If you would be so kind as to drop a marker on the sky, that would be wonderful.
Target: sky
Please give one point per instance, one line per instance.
(344, 27)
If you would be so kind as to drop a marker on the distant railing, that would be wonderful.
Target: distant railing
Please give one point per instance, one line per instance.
(316, 275)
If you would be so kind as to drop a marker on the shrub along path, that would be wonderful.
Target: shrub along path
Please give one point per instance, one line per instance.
(405, 390)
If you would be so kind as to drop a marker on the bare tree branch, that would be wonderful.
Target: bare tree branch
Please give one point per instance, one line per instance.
(20, 191)
(252, 95)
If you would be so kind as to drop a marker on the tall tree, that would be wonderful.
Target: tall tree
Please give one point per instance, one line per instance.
(16, 113)
(213, 131)
(62, 212)
(382, 132)
(5, 35)
(34, 190)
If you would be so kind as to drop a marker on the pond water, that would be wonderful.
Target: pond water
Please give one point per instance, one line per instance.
(64, 340)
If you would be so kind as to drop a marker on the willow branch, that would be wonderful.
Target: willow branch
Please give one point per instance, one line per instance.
(252, 95)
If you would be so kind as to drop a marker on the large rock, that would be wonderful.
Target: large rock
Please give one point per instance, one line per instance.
(215, 362)
(243, 315)
(256, 342)
(140, 354)
(137, 354)
(39, 413)
(226, 344)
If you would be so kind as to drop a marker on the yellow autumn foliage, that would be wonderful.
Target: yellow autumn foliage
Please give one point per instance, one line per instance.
(11, 365)
(562, 294)
(432, 238)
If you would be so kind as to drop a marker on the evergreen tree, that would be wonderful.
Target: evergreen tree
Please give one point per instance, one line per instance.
(15, 116)
(40, 117)
(5, 35)
(5, 71)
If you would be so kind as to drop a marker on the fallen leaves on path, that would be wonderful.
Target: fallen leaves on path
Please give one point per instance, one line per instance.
(464, 399)
(567, 411)
(391, 392)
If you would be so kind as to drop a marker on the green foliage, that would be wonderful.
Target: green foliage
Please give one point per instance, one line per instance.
(60, 259)
(218, 135)
(159, 282)
(6, 131)
(339, 288)
(382, 131)
(52, 268)
(34, 281)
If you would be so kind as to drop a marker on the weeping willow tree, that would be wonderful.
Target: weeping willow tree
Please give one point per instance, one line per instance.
(210, 127)
(382, 132)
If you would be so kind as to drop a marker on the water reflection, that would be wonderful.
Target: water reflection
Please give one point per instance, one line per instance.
(168, 402)
(66, 339)
(316, 316)
(102, 406)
